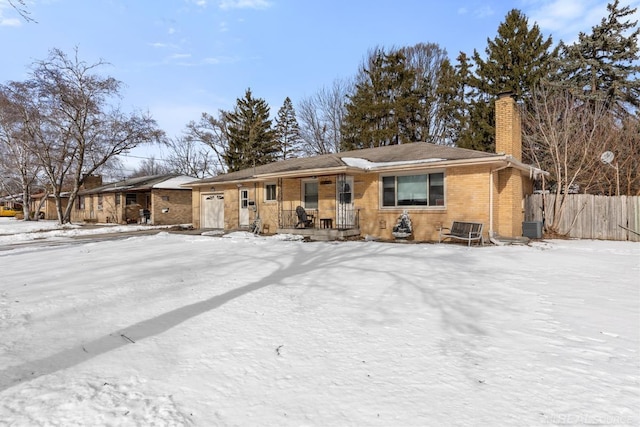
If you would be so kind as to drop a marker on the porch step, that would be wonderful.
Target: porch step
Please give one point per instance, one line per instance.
(316, 234)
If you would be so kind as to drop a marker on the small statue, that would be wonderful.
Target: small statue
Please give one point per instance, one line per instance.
(403, 229)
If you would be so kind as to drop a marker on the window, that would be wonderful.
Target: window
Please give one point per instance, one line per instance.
(131, 199)
(270, 192)
(80, 203)
(413, 190)
(117, 198)
(310, 194)
(244, 199)
(100, 201)
(344, 192)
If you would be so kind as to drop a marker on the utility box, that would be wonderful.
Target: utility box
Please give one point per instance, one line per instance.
(532, 229)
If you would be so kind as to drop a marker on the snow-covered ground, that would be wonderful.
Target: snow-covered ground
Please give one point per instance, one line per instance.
(14, 231)
(253, 331)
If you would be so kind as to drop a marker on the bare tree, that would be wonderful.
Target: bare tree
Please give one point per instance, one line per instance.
(210, 131)
(152, 166)
(621, 175)
(321, 117)
(190, 157)
(76, 131)
(21, 7)
(566, 137)
(19, 167)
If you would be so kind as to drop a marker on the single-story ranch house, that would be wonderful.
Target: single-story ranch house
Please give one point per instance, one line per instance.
(364, 192)
(155, 199)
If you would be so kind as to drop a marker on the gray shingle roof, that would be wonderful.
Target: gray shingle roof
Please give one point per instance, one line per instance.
(392, 153)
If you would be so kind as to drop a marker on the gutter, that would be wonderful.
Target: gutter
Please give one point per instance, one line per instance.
(505, 160)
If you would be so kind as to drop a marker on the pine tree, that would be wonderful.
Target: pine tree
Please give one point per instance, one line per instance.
(287, 132)
(378, 113)
(604, 64)
(453, 99)
(424, 121)
(251, 140)
(516, 60)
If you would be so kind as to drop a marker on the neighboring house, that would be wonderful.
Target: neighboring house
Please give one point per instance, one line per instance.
(156, 199)
(47, 207)
(364, 192)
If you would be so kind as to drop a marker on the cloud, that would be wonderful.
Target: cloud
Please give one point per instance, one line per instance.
(220, 60)
(8, 22)
(176, 56)
(564, 19)
(243, 4)
(479, 12)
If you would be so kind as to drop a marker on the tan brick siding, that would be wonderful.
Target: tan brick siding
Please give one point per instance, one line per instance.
(178, 205)
(467, 196)
(171, 207)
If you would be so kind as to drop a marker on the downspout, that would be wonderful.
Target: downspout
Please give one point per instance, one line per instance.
(491, 232)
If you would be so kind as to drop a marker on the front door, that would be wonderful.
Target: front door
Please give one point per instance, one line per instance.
(344, 202)
(244, 208)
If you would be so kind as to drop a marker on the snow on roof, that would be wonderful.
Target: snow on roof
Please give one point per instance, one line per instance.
(367, 165)
(174, 183)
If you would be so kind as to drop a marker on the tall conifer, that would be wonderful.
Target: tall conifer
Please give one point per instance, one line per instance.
(251, 140)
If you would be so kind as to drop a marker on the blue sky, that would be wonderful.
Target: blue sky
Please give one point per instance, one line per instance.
(179, 58)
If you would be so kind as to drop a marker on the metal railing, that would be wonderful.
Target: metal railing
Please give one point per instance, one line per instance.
(317, 219)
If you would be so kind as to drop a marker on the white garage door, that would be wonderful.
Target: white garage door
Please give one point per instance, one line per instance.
(212, 211)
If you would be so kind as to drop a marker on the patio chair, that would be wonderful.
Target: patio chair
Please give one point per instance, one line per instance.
(303, 219)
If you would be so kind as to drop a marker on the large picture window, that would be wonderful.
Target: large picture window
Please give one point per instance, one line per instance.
(413, 190)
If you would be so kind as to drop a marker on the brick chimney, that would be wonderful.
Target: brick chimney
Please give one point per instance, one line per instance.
(508, 127)
(509, 183)
(91, 181)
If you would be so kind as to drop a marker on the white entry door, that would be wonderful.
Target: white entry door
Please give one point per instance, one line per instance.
(244, 208)
(344, 202)
(212, 211)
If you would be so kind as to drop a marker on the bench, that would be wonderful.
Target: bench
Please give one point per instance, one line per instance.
(468, 231)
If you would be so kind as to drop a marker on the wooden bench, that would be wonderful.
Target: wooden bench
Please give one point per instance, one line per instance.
(468, 231)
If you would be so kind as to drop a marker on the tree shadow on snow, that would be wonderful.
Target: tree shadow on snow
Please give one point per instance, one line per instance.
(306, 258)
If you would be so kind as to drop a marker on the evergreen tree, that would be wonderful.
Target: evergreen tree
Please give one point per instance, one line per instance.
(378, 112)
(453, 93)
(251, 142)
(516, 59)
(604, 64)
(287, 132)
(424, 120)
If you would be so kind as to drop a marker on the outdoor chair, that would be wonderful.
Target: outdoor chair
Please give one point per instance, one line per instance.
(303, 219)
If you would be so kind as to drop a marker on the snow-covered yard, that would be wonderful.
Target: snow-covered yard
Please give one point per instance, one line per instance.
(243, 330)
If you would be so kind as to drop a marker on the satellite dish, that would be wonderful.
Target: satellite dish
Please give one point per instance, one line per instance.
(606, 157)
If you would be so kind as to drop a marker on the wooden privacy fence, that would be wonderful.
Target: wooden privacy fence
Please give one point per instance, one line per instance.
(587, 216)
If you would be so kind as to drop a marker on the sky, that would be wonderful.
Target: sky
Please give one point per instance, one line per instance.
(245, 330)
(180, 58)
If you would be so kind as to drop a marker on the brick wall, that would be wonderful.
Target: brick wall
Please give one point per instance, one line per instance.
(466, 199)
(171, 207)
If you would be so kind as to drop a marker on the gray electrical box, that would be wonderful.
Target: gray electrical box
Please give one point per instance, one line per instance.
(532, 229)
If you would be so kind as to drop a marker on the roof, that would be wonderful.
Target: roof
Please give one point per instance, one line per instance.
(143, 183)
(419, 154)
